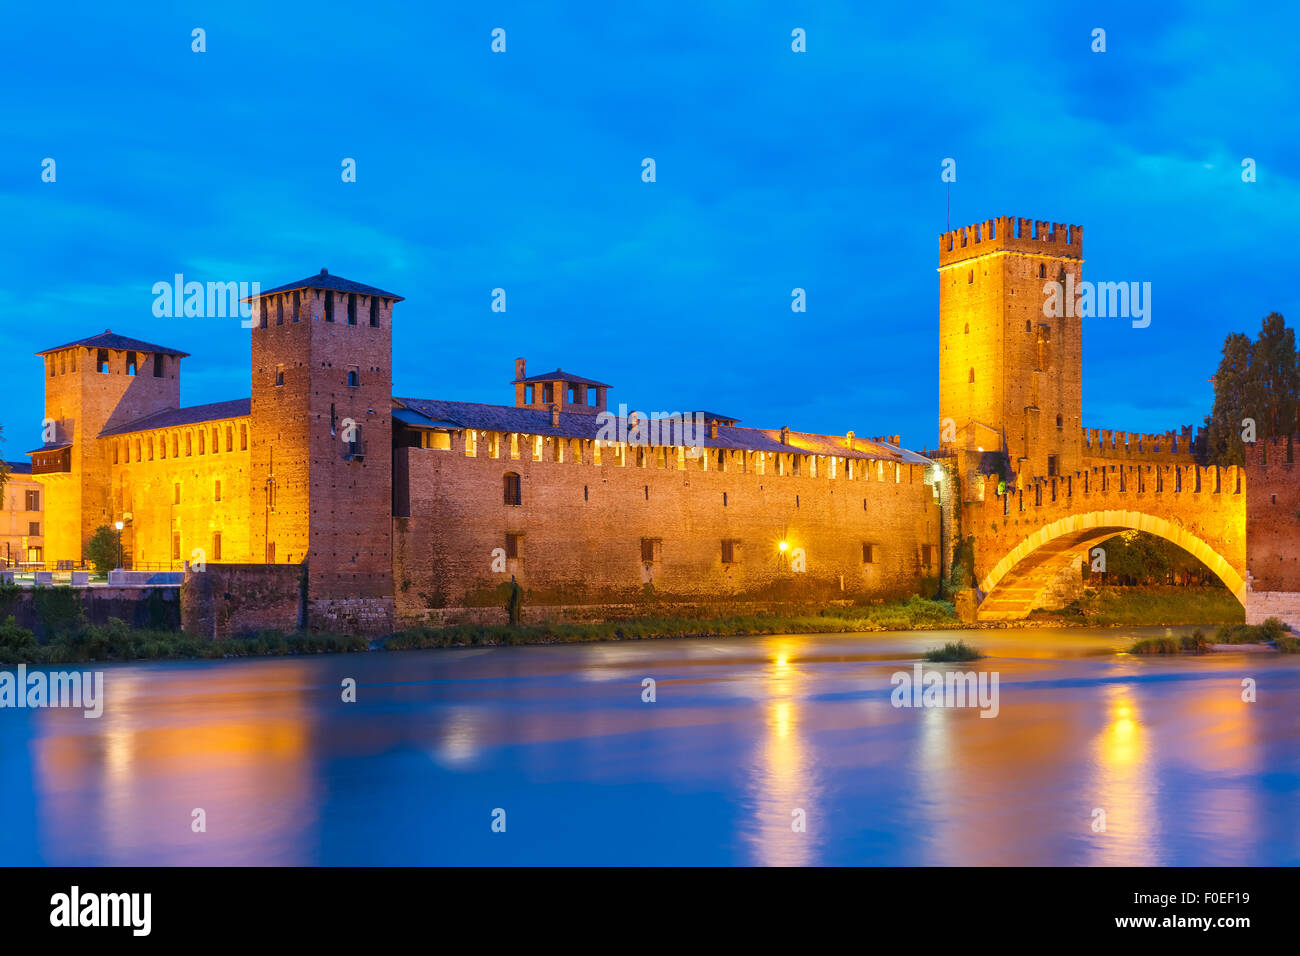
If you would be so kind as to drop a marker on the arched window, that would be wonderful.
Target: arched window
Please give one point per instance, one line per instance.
(514, 492)
(972, 377)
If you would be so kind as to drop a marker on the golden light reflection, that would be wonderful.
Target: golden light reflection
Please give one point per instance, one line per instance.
(1122, 785)
(784, 778)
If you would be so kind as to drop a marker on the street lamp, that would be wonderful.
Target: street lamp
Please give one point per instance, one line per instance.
(119, 527)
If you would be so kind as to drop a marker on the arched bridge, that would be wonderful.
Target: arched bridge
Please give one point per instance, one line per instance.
(1030, 538)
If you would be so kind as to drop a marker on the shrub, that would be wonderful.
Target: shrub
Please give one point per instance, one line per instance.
(959, 651)
(101, 549)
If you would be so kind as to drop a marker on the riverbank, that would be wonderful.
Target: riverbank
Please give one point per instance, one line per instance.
(1102, 607)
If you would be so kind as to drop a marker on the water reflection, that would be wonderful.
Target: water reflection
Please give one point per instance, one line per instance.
(743, 733)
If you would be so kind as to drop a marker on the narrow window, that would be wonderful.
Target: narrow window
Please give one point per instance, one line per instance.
(374, 311)
(203, 442)
(176, 493)
(970, 276)
(724, 499)
(329, 306)
(730, 551)
(157, 366)
(33, 529)
(1042, 270)
(216, 490)
(176, 446)
(270, 552)
(354, 376)
(548, 393)
(352, 308)
(586, 498)
(650, 550)
(512, 545)
(927, 551)
(297, 306)
(243, 438)
(189, 444)
(216, 546)
(868, 556)
(63, 363)
(514, 493)
(971, 378)
(176, 545)
(101, 361)
(230, 438)
(279, 375)
(279, 310)
(471, 443)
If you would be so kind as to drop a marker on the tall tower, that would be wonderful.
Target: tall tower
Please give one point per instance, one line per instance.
(321, 453)
(90, 385)
(1010, 374)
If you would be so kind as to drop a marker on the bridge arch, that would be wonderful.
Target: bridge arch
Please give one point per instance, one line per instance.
(1016, 582)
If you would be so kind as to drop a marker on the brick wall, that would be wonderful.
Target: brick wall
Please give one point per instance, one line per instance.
(234, 600)
(582, 525)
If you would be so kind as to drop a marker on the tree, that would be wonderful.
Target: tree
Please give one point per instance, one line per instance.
(101, 550)
(1257, 382)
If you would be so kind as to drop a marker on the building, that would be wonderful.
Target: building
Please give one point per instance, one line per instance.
(390, 510)
(22, 537)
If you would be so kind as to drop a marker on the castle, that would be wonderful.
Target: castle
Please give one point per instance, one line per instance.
(395, 510)
(324, 500)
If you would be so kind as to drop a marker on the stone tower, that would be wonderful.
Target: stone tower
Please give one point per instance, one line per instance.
(321, 451)
(90, 385)
(1010, 369)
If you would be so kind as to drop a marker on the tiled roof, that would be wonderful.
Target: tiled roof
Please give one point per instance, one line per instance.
(323, 280)
(50, 446)
(194, 415)
(559, 375)
(108, 339)
(19, 467)
(530, 421)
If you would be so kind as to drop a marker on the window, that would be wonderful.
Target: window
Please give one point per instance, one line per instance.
(1042, 271)
(63, 363)
(514, 491)
(471, 443)
(354, 376)
(730, 551)
(512, 545)
(176, 545)
(279, 310)
(243, 438)
(216, 490)
(650, 550)
(270, 552)
(352, 308)
(157, 366)
(970, 276)
(176, 495)
(297, 306)
(1052, 470)
(203, 442)
(868, 550)
(279, 375)
(537, 448)
(971, 377)
(33, 501)
(927, 555)
(101, 361)
(176, 446)
(374, 312)
(438, 440)
(34, 529)
(329, 306)
(216, 546)
(1060, 422)
(72, 361)
(230, 438)
(548, 393)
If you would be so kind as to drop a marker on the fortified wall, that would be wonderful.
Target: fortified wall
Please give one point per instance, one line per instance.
(1273, 526)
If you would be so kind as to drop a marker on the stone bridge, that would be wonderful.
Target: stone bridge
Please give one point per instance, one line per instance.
(1030, 538)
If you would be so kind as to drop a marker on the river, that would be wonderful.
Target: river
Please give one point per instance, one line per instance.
(745, 738)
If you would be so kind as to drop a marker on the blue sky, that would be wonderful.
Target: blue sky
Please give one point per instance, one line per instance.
(522, 170)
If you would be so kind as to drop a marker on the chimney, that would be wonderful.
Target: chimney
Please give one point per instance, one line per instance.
(555, 414)
(785, 434)
(520, 373)
(897, 440)
(713, 428)
(849, 437)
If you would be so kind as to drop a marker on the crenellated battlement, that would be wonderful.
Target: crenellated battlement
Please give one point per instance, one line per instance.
(1181, 445)
(1280, 452)
(1075, 490)
(1011, 234)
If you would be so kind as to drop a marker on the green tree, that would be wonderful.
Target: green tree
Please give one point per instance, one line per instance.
(101, 550)
(1257, 381)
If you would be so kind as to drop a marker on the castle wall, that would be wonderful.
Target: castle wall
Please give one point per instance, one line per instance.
(583, 524)
(146, 469)
(240, 600)
(1273, 527)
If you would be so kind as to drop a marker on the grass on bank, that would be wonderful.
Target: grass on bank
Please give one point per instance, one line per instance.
(1137, 607)
(117, 641)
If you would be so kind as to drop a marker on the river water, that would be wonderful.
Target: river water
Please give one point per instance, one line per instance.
(745, 738)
